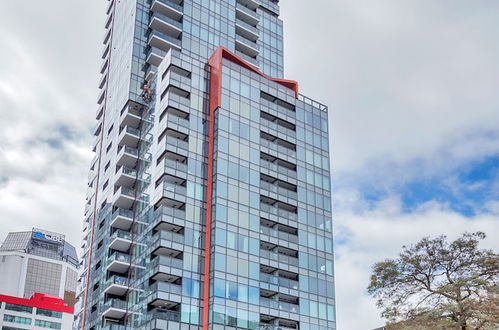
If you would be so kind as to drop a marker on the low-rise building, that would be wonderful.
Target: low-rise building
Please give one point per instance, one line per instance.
(38, 272)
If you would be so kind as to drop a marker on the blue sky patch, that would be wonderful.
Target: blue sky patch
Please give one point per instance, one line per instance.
(465, 190)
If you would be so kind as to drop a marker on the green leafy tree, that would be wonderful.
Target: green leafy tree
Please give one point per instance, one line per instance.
(436, 284)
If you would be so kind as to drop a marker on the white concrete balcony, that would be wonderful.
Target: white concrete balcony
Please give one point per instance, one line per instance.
(279, 305)
(173, 167)
(124, 198)
(109, 7)
(126, 177)
(246, 30)
(108, 21)
(122, 219)
(155, 56)
(118, 262)
(116, 285)
(247, 15)
(103, 80)
(107, 36)
(114, 309)
(105, 51)
(99, 112)
(252, 4)
(171, 8)
(127, 156)
(165, 25)
(101, 97)
(104, 65)
(121, 240)
(129, 136)
(163, 41)
(247, 46)
(131, 115)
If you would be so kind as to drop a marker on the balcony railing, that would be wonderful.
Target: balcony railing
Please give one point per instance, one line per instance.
(130, 150)
(247, 26)
(274, 127)
(276, 147)
(114, 327)
(122, 234)
(172, 188)
(171, 4)
(168, 236)
(283, 306)
(168, 262)
(173, 141)
(278, 190)
(167, 19)
(115, 303)
(166, 287)
(248, 12)
(126, 191)
(278, 212)
(251, 44)
(277, 168)
(277, 280)
(166, 37)
(279, 257)
(279, 234)
(174, 165)
(165, 315)
(123, 213)
(120, 257)
(118, 280)
(127, 171)
(172, 119)
(265, 326)
(132, 131)
(169, 212)
(247, 57)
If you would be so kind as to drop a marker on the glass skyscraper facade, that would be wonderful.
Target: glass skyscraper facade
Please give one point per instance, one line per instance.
(209, 200)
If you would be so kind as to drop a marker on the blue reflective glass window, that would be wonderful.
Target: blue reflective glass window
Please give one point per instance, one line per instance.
(232, 265)
(219, 288)
(220, 237)
(221, 212)
(242, 318)
(222, 166)
(223, 123)
(231, 240)
(243, 174)
(254, 270)
(231, 290)
(220, 262)
(233, 170)
(254, 295)
(222, 189)
(242, 293)
(314, 309)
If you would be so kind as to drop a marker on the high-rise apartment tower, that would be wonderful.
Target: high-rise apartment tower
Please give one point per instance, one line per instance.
(209, 200)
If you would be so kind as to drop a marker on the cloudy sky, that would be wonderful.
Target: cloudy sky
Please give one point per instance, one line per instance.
(413, 90)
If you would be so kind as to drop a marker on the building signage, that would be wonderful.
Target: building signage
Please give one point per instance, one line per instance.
(47, 235)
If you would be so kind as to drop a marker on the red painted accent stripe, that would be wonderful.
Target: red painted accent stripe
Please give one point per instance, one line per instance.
(215, 63)
(40, 300)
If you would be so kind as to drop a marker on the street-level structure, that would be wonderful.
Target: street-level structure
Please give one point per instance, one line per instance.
(38, 280)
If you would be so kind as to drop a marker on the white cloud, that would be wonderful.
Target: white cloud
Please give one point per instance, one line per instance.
(48, 86)
(411, 88)
(412, 94)
(402, 79)
(374, 234)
